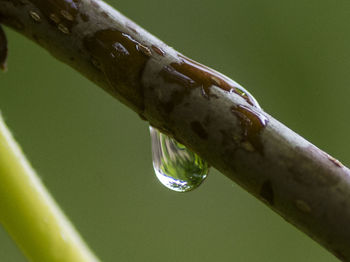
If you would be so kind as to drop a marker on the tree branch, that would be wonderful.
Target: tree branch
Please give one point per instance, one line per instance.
(201, 108)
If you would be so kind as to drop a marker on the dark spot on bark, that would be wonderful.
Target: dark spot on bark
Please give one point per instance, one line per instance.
(158, 50)
(72, 58)
(175, 99)
(225, 137)
(252, 122)
(84, 17)
(122, 61)
(104, 14)
(3, 49)
(266, 192)
(199, 130)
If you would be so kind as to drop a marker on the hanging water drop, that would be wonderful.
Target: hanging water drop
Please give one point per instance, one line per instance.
(176, 167)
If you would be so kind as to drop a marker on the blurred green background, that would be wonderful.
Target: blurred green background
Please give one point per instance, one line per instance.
(94, 155)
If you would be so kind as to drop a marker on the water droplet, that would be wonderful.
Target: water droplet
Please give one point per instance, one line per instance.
(67, 15)
(35, 16)
(158, 50)
(54, 18)
(63, 28)
(119, 50)
(333, 160)
(303, 206)
(144, 49)
(176, 167)
(252, 122)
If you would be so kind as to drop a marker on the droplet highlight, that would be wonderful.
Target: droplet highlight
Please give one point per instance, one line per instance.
(191, 74)
(175, 166)
(35, 16)
(67, 15)
(54, 18)
(63, 29)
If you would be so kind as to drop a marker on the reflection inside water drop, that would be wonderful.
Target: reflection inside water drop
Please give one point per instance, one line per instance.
(176, 167)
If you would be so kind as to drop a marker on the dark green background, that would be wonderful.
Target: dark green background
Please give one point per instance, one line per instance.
(93, 153)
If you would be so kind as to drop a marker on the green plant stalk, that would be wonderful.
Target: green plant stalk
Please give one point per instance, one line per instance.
(28, 212)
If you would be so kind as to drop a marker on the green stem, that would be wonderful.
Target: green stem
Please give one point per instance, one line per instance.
(28, 212)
